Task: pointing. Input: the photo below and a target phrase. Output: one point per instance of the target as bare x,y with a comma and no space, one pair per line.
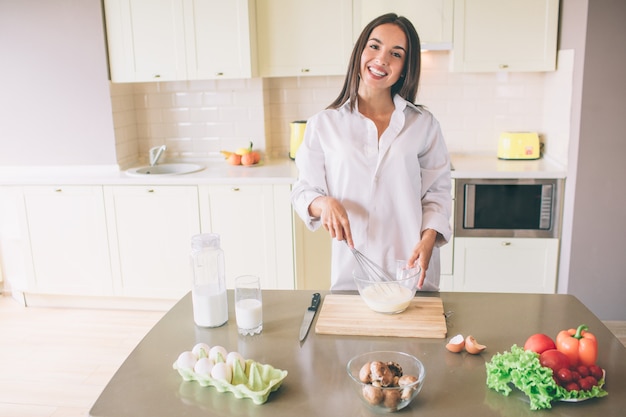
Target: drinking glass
248,305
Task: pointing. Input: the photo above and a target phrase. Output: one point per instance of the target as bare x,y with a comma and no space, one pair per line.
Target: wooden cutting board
349,315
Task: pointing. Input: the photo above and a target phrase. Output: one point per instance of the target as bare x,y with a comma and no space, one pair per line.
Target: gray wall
55,105
596,262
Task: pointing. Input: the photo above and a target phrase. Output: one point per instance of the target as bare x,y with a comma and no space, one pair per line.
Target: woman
373,167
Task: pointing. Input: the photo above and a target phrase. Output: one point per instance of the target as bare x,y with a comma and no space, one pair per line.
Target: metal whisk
371,270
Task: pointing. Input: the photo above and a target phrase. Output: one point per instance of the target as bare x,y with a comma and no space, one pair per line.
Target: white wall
593,249
196,119
55,106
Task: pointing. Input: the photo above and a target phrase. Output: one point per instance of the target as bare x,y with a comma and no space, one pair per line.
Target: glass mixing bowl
390,398
389,296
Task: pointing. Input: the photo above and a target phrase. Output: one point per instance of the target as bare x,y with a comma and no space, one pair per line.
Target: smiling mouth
377,72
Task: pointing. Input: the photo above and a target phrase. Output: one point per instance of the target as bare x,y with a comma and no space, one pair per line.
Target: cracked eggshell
472,346
456,343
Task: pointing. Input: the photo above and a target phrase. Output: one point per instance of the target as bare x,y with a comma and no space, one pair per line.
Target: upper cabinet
432,18
303,37
146,40
223,33
167,40
511,35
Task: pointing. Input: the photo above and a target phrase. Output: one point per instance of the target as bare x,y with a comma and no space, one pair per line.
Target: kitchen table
317,383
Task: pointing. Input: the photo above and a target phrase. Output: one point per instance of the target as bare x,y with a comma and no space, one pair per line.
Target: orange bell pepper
580,346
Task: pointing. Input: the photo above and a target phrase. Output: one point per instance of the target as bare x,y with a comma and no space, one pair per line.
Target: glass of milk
248,305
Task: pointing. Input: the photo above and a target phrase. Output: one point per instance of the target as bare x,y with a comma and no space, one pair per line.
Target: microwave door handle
470,199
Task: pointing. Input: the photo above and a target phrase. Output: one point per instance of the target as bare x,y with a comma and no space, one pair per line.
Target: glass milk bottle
210,305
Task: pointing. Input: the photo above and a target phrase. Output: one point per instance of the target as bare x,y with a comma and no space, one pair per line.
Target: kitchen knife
309,314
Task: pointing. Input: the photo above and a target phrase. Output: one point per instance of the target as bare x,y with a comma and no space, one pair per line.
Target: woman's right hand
333,216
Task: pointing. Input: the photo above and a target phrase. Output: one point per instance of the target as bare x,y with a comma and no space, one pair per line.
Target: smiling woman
374,157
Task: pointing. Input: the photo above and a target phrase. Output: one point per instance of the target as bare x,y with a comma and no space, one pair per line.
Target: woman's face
382,60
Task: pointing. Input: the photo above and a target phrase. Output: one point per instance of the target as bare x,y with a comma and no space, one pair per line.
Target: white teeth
379,73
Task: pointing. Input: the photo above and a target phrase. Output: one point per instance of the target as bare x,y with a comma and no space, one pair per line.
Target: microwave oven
507,207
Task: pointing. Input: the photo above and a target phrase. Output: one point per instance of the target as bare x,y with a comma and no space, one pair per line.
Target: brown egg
456,343
472,346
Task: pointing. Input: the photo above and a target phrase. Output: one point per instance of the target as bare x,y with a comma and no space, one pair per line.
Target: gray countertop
317,384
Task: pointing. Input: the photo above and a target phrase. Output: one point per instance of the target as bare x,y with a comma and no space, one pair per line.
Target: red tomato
554,360
596,371
565,375
539,343
583,371
587,383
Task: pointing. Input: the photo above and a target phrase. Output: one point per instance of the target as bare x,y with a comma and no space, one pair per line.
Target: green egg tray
256,382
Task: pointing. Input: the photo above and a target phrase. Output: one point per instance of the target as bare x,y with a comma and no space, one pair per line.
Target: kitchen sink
165,169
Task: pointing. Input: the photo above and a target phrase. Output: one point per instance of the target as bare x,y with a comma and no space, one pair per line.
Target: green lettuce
523,370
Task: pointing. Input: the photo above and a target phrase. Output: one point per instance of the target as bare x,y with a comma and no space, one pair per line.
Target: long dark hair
407,85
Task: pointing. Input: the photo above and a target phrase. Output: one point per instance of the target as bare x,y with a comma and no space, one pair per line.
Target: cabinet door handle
503,66
305,70
505,243
219,74
58,190
150,190
157,75
235,189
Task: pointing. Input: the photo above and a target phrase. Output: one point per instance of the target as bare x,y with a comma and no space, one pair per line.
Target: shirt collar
399,102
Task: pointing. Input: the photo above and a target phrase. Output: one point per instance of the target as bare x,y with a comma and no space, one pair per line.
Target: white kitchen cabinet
146,40
303,37
16,266
254,223
505,35
223,46
166,40
515,265
150,229
433,19
446,253
67,241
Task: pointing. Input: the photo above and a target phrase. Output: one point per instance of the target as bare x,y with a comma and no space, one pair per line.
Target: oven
508,207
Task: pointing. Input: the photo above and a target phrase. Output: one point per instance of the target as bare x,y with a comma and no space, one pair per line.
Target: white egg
201,350
203,366
235,356
217,351
221,370
186,360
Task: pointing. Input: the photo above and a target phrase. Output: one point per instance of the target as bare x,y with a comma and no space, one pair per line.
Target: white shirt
392,188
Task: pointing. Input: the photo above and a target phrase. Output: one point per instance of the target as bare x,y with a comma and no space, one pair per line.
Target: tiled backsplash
196,119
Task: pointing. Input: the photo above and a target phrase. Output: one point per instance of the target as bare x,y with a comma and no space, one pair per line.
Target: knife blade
309,314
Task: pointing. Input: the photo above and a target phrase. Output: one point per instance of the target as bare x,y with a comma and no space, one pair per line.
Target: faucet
156,153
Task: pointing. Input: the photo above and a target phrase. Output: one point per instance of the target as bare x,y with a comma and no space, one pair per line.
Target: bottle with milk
210,304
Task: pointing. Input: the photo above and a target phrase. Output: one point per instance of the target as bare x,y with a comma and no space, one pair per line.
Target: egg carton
257,381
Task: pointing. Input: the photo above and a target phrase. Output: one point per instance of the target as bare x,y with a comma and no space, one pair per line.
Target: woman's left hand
422,253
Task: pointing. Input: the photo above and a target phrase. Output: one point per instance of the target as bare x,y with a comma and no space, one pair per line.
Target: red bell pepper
580,346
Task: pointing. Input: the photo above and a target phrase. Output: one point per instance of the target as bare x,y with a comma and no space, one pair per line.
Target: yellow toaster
519,145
